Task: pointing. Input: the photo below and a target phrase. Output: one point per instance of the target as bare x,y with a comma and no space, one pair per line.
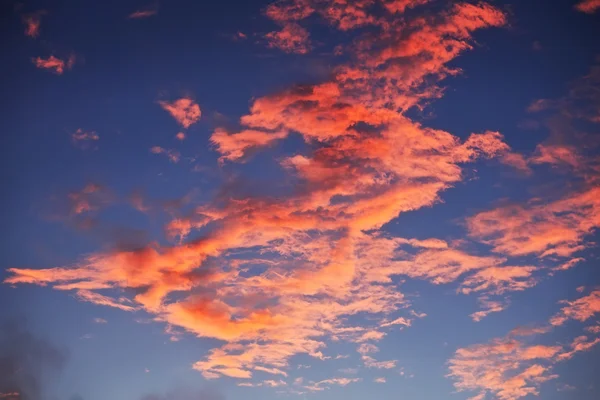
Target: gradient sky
314,199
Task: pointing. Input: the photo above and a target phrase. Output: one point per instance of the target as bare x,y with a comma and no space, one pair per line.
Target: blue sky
304,198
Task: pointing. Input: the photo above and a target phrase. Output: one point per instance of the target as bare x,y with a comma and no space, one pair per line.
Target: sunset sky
312,199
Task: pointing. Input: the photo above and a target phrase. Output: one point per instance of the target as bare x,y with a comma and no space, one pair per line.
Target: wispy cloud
84,139
173,155
588,6
511,368
145,12
321,252
32,23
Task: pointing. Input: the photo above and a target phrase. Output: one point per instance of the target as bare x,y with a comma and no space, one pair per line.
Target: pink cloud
54,63
173,155
581,309
84,139
556,228
292,38
324,255
185,111
588,6
32,23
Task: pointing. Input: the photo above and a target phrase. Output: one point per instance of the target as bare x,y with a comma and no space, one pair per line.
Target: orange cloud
588,6
58,65
510,369
506,368
320,252
556,155
556,228
292,38
185,111
98,299
581,309
234,146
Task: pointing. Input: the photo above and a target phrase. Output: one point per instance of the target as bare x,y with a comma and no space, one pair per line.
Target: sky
313,199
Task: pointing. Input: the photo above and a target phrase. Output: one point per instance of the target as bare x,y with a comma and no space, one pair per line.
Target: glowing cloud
53,63
588,6
185,111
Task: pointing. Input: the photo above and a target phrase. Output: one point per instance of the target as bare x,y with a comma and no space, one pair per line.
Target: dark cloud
186,394
27,362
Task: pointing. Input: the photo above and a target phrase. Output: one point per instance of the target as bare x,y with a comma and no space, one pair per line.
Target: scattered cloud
588,6
32,23
185,111
272,278
173,155
145,12
292,38
581,309
53,63
511,368
84,139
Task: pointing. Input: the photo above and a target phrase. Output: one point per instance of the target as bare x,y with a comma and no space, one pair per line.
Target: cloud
555,228
98,299
84,139
511,367
292,38
185,111
277,277
326,384
399,6
588,6
100,321
556,155
173,155
581,309
506,368
92,197
56,64
145,12
186,393
234,146
27,362
32,23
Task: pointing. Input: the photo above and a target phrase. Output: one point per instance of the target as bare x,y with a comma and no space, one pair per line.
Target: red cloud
54,63
292,38
588,6
185,111
510,369
325,259
32,23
